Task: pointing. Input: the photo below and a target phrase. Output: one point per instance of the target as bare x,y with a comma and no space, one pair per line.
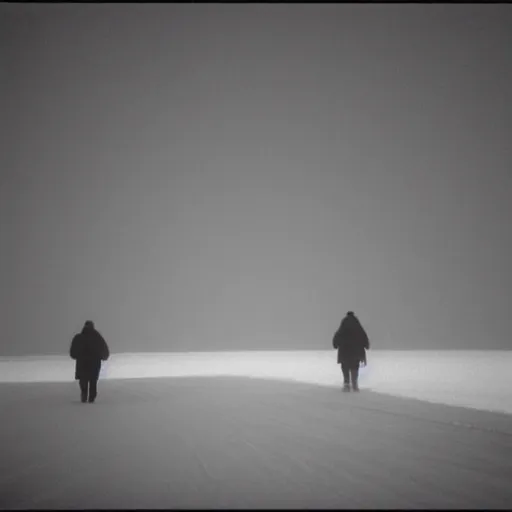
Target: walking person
351,341
88,348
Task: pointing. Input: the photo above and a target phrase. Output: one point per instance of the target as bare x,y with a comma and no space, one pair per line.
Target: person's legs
83,389
354,376
345,368
93,389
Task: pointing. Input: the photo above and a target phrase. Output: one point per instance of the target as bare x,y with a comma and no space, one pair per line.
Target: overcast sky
205,177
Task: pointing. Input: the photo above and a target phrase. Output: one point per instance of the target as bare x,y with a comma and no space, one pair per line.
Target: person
351,341
88,349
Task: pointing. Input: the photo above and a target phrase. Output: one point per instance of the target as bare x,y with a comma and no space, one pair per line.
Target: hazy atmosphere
237,177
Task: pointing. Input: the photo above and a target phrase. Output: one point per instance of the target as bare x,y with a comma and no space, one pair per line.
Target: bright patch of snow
475,379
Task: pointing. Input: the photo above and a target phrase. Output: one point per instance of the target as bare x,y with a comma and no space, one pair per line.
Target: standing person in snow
88,348
352,342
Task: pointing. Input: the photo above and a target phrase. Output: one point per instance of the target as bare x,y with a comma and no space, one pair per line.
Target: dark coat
88,348
351,341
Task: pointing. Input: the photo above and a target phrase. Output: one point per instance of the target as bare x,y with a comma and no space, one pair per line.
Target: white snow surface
473,379
258,430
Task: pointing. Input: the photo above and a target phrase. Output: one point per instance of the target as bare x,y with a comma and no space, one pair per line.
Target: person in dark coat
352,342
88,348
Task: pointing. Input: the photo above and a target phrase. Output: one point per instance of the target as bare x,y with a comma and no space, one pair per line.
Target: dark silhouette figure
352,342
88,348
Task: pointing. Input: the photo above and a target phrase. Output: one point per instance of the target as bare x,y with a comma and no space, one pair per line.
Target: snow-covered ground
258,430
475,379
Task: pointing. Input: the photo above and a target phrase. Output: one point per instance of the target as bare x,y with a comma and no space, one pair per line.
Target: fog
237,177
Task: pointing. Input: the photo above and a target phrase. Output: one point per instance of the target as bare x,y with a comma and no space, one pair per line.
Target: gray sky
203,177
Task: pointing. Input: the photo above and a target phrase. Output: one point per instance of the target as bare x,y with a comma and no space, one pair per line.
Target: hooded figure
352,342
88,348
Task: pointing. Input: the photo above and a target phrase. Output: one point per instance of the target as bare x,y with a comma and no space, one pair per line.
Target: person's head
89,324
350,318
